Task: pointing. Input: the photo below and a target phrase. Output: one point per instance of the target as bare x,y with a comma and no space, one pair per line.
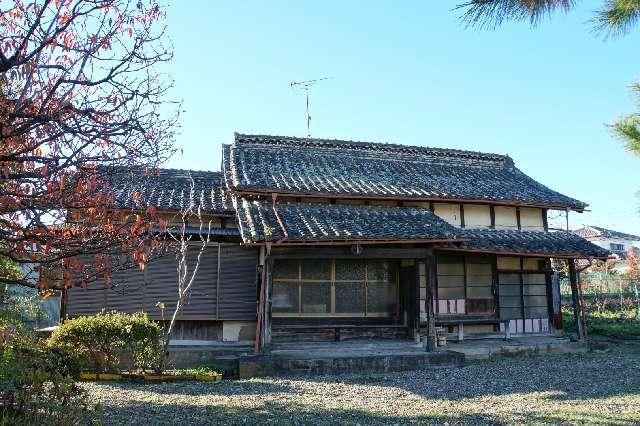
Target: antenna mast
306,86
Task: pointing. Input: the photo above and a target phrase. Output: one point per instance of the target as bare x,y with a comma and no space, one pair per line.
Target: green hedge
103,341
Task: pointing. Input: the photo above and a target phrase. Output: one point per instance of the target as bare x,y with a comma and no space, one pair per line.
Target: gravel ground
592,388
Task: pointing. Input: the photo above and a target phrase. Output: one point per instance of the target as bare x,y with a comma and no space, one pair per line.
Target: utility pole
306,86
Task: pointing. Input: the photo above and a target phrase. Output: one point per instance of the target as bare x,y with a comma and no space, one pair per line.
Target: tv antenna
306,86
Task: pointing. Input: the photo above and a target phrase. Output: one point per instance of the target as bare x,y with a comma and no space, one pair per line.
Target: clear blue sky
413,74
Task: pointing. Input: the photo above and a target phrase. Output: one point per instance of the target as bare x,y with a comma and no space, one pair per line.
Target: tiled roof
596,231
309,223
319,166
558,244
170,189
332,222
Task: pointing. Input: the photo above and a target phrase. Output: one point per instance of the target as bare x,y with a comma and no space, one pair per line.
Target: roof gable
365,169
597,231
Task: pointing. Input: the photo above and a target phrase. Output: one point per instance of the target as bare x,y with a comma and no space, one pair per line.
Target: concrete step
291,365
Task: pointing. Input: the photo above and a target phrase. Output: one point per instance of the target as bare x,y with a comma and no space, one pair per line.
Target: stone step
276,365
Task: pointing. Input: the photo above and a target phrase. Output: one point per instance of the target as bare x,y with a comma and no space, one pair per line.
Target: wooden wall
232,295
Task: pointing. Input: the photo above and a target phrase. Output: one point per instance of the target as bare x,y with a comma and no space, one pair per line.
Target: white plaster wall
506,217
606,243
531,219
234,331
477,216
448,212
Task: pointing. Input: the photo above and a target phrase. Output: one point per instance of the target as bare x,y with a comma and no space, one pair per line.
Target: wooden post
430,263
64,301
577,309
260,318
266,342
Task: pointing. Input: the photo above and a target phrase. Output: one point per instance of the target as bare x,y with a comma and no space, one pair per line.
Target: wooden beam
492,214
430,263
307,243
261,302
577,309
510,253
343,252
335,196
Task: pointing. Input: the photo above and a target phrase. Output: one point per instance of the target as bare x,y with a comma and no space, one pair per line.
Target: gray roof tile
532,242
303,165
170,189
331,222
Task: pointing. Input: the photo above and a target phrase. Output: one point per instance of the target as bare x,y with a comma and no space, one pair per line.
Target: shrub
37,383
105,340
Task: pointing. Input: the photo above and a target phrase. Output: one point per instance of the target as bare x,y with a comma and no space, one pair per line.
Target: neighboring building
325,239
617,242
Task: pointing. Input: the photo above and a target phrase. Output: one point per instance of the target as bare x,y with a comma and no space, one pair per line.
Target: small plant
37,383
105,340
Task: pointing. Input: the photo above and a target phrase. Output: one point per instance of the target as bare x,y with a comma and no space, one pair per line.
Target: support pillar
64,303
266,346
575,297
430,262
259,342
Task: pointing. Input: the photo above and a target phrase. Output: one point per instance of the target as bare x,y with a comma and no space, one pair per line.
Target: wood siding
235,298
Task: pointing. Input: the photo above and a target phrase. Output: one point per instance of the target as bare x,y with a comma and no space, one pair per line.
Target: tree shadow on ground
188,388
269,413
566,377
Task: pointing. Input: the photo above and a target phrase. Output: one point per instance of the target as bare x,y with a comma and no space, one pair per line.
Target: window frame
300,281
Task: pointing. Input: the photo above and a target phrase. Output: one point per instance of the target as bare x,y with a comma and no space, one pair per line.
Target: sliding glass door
335,287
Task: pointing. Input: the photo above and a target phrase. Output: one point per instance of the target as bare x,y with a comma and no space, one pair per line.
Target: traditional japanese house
342,239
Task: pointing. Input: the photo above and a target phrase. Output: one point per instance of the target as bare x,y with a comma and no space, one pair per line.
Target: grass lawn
592,388
611,324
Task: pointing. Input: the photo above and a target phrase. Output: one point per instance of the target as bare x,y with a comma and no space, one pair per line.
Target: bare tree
182,237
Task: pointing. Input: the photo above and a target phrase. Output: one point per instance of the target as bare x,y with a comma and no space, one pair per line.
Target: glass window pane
316,298
479,292
478,269
479,280
316,269
534,279
508,263
535,301
535,290
285,269
450,281
478,306
538,312
509,279
349,270
381,271
450,268
510,313
284,297
450,293
350,298
381,298
509,290
510,301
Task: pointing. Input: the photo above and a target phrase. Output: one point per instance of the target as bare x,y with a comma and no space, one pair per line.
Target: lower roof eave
290,243
257,192
524,254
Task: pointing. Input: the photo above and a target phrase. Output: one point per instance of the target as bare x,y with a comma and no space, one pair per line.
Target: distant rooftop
599,232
